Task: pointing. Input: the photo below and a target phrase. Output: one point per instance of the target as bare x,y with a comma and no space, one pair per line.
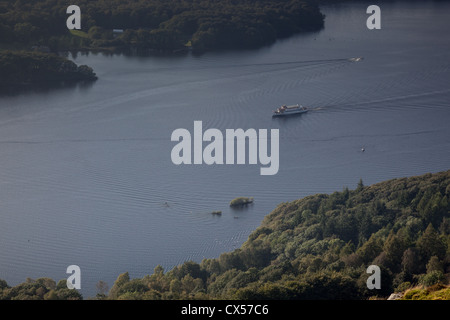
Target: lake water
86,172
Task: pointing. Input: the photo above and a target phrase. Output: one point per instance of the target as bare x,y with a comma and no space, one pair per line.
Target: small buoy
362,149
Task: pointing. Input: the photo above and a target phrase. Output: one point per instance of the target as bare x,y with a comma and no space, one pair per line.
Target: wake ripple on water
256,89
389,103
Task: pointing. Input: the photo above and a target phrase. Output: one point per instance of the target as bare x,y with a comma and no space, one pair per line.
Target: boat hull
286,114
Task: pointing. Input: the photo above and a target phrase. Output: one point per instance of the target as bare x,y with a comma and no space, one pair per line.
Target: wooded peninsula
318,247
148,26
24,68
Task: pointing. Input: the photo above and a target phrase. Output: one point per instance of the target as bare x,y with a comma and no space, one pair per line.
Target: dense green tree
431,244
434,264
39,289
370,249
410,261
121,280
394,247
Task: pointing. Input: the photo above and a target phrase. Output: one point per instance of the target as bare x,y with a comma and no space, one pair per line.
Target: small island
241,201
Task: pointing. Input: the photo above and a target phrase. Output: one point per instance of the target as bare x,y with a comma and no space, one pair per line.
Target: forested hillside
157,24
318,247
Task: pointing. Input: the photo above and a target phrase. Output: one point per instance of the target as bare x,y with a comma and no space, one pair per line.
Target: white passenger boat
289,110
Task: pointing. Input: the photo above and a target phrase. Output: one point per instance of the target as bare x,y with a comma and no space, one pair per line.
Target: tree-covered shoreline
19,69
159,25
318,247
141,26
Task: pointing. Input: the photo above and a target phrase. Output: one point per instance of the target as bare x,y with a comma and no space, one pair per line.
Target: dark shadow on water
242,208
290,117
17,90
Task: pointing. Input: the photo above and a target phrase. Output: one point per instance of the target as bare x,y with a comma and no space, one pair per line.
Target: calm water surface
86,172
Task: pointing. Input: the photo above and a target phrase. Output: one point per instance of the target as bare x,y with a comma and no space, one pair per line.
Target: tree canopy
319,247
158,24
23,68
